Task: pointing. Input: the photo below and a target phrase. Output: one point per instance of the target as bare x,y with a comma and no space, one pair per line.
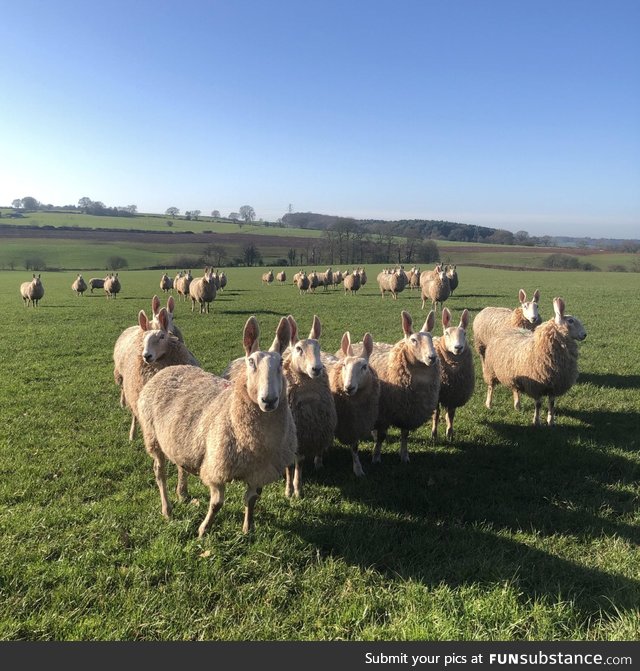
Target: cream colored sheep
351,282
281,276
434,286
537,363
79,286
221,430
302,282
32,291
202,290
394,281
326,278
112,286
452,275
267,277
314,281
457,374
182,284
356,395
166,283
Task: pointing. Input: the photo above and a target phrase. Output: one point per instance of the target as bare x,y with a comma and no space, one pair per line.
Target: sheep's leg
297,478
489,395
379,436
288,486
536,412
551,415
182,490
250,499
123,400
434,423
450,414
215,503
516,399
422,306
357,466
132,430
160,471
404,452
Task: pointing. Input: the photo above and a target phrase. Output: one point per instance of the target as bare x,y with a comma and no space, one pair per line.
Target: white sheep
32,291
409,374
267,278
457,374
351,282
281,276
302,282
356,394
222,430
112,286
223,280
537,363
434,286
452,275
394,281
79,286
202,290
166,283
311,402
182,282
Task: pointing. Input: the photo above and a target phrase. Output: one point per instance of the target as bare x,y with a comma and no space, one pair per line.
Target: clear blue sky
519,114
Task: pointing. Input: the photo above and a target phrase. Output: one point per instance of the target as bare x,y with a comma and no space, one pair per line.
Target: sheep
414,278
96,283
166,283
351,282
491,320
457,374
112,286
409,374
267,277
311,402
302,282
452,274
32,291
326,278
223,280
356,395
435,287
182,284
139,355
281,277
337,278
203,290
216,279
393,281
222,430
363,276
314,281
537,363
79,286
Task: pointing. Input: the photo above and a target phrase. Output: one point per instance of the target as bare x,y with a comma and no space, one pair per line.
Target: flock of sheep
284,403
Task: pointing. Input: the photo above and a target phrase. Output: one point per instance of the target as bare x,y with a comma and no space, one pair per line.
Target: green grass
508,533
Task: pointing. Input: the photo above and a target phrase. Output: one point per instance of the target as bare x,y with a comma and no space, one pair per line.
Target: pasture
508,533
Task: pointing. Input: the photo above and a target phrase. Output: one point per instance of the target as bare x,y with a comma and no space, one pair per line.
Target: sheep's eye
364,366
570,321
298,349
252,363
162,336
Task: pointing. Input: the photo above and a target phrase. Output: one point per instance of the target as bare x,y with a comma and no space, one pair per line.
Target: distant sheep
434,286
537,363
302,282
182,282
457,373
32,291
79,286
221,430
202,290
394,281
112,286
96,283
281,277
314,281
166,283
267,278
326,278
452,276
223,280
351,282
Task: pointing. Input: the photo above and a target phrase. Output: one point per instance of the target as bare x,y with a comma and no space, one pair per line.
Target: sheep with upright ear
32,291
222,430
435,287
203,291
112,286
537,363
79,286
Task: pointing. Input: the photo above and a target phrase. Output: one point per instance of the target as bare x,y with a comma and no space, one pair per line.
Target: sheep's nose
317,370
458,349
432,359
148,357
351,389
269,402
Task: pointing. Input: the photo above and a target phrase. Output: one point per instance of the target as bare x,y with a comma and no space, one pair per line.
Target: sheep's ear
536,296
163,318
143,321
171,305
250,336
155,305
464,319
316,329
522,296
429,323
367,343
407,323
446,318
283,336
345,344
558,308
294,329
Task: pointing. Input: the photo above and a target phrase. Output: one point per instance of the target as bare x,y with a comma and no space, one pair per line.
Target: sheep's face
265,381
530,311
455,339
420,348
355,373
575,327
154,345
305,357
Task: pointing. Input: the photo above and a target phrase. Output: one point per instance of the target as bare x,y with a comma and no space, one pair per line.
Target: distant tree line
85,205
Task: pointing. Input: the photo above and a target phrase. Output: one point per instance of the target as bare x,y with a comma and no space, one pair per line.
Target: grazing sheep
112,286
409,374
138,356
267,277
356,395
311,402
166,283
434,286
203,291
32,291
222,430
457,374
492,320
351,282
182,284
79,286
96,283
281,277
537,363
394,281
302,282
452,275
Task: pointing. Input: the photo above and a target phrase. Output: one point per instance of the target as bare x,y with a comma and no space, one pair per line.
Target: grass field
509,533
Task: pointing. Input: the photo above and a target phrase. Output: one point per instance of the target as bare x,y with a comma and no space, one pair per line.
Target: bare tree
172,212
